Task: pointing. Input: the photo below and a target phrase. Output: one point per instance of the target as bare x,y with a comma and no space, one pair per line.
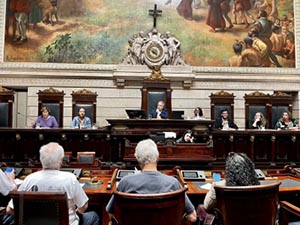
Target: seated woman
287,122
187,137
198,114
45,120
259,121
239,170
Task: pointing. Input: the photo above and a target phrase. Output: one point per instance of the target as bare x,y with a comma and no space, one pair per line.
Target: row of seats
271,106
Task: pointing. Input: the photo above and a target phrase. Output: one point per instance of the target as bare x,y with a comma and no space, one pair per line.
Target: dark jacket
231,124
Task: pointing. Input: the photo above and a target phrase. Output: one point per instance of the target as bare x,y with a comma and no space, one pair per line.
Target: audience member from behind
50,179
160,112
150,181
186,138
45,120
7,182
198,114
259,121
81,121
224,122
287,122
239,171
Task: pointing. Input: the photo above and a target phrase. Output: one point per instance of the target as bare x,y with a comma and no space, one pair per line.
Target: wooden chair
6,107
84,99
256,102
248,205
219,101
151,209
36,208
154,91
280,102
54,100
289,214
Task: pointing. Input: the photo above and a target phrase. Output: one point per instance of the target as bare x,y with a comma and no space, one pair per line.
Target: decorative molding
257,94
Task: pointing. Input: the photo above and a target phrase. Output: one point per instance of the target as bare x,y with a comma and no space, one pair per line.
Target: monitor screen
177,115
193,174
136,114
123,173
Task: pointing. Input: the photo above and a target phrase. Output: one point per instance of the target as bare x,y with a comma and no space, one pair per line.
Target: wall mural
240,33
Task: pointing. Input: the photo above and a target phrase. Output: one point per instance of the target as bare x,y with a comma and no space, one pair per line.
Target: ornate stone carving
222,93
154,50
257,94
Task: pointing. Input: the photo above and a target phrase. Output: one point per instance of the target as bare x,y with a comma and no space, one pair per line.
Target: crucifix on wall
155,13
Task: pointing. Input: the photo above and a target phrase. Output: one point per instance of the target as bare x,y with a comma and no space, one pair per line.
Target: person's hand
11,175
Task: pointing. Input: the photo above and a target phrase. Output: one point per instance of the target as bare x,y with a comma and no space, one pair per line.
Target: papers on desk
206,186
170,134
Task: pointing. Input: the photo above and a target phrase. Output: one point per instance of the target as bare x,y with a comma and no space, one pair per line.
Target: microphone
26,117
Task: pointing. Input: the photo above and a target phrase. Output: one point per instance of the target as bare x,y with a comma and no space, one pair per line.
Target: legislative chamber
94,58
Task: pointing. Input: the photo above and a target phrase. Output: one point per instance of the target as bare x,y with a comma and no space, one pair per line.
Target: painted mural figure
261,47
225,7
237,60
241,7
36,13
21,9
215,17
10,21
185,10
251,56
264,28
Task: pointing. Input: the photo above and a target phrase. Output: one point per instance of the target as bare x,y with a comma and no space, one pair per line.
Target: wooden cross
155,13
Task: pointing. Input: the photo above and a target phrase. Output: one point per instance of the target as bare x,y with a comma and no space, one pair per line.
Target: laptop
136,114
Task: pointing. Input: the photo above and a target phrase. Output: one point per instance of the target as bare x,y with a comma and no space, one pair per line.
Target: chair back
150,209
248,205
36,208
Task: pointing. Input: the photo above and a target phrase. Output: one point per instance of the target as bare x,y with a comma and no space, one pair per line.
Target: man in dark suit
160,112
224,122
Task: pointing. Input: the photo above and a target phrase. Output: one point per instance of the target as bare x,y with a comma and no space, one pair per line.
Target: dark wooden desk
267,148
152,126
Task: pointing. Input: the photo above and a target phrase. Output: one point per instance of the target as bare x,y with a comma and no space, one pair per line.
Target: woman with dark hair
198,114
45,120
287,122
187,137
240,171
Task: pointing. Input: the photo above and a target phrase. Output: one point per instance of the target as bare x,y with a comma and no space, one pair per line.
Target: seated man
224,122
81,121
50,179
160,112
150,181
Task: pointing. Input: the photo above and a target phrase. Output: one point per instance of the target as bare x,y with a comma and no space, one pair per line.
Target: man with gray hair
50,179
150,181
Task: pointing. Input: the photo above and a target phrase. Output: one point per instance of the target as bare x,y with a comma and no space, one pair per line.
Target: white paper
170,134
206,186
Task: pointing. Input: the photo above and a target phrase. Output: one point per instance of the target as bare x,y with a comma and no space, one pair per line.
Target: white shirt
5,184
57,181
